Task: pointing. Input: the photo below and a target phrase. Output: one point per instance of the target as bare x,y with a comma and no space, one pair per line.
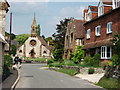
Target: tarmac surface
33,77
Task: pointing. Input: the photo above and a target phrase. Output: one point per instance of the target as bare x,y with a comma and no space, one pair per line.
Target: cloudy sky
48,14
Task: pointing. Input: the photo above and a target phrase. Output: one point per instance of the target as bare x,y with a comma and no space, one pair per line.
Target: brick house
74,36
100,29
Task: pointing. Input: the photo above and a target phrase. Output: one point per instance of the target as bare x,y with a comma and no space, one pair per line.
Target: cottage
74,36
99,29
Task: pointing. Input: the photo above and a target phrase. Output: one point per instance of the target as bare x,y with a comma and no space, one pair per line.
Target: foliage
57,53
78,54
70,72
37,59
8,61
109,83
13,36
22,38
91,70
38,30
59,37
55,64
116,60
50,40
13,51
69,63
92,61
50,61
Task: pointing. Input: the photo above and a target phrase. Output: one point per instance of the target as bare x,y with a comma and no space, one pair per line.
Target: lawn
70,72
109,83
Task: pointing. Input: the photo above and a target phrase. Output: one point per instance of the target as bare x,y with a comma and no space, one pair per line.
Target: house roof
44,43
93,8
108,2
105,42
80,31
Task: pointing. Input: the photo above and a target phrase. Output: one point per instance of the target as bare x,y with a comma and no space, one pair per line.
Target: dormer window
115,4
100,10
88,16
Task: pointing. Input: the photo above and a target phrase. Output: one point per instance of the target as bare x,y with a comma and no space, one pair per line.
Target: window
109,27
97,30
106,52
88,33
88,16
100,10
115,4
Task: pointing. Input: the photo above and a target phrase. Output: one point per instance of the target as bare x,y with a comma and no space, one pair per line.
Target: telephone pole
10,33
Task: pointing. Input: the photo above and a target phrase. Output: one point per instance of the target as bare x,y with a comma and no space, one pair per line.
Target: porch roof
96,44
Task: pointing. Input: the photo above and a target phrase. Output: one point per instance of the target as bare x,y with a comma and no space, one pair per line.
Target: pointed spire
34,24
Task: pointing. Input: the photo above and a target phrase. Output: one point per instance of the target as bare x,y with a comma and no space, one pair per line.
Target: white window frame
109,30
96,30
104,52
100,10
88,33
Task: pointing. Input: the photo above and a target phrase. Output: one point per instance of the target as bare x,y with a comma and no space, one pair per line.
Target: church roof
44,43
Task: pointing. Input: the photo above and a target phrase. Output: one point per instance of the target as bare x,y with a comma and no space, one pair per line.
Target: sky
48,14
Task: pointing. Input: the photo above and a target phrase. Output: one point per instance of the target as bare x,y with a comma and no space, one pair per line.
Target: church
35,46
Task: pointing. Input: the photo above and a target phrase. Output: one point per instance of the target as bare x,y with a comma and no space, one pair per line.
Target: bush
68,63
115,60
92,61
78,54
50,61
55,64
91,70
7,64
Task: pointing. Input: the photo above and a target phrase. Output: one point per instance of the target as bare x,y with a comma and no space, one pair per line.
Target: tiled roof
80,31
108,2
93,8
44,43
105,42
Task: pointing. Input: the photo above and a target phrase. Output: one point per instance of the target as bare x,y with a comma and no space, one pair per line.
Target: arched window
20,51
45,52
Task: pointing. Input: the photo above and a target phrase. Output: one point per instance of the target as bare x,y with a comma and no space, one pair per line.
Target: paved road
34,77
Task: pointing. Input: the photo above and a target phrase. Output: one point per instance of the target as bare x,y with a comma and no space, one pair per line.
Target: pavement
9,81
94,78
34,77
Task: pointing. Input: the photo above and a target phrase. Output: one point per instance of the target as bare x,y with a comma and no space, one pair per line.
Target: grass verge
109,83
70,72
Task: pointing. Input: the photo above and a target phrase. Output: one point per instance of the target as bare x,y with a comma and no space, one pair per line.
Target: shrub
91,70
92,61
116,60
78,54
68,63
55,64
8,61
50,61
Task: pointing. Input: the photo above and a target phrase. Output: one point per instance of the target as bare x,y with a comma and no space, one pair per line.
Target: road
34,77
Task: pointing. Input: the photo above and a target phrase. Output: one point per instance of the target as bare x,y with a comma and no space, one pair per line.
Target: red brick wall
113,17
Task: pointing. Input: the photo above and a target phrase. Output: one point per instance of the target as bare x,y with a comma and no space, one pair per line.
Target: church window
33,42
45,52
20,51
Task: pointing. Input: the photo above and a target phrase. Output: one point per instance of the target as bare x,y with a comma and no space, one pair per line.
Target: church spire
34,27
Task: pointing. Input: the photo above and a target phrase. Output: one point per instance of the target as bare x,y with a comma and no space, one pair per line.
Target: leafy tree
22,38
57,54
13,36
38,30
116,49
50,40
59,37
13,51
78,54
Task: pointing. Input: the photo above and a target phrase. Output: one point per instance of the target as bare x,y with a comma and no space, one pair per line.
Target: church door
32,53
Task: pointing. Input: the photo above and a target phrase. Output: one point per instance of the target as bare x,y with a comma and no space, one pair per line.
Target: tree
78,54
59,36
50,40
38,30
13,36
116,49
13,51
22,38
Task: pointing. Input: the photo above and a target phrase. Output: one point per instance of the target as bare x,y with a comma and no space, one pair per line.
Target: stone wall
112,72
84,70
